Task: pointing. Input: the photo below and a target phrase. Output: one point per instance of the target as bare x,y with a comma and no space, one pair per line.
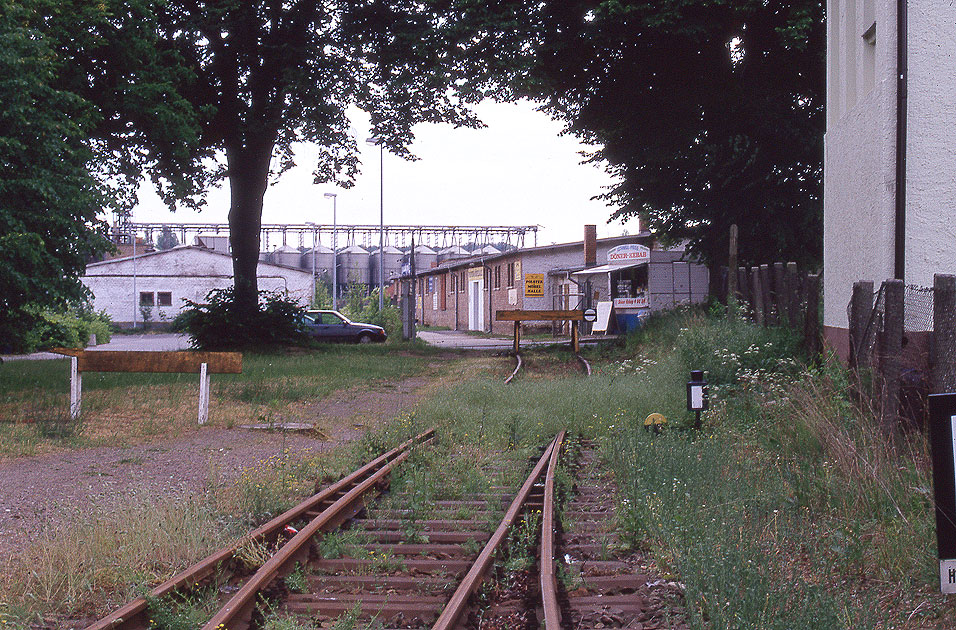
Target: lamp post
335,252
314,243
375,140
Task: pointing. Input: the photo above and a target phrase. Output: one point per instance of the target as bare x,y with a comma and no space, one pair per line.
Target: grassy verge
789,510
120,409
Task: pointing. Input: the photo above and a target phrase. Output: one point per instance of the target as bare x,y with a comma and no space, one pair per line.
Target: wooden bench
181,362
518,316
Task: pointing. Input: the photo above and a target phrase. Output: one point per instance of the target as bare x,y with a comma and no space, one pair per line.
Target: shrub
68,329
364,308
218,325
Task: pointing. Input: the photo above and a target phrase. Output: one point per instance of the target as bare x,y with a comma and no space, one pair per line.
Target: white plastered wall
186,273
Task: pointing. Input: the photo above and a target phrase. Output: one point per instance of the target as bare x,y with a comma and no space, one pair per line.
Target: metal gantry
436,236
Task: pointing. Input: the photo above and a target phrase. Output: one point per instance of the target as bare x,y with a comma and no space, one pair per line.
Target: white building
152,286
888,213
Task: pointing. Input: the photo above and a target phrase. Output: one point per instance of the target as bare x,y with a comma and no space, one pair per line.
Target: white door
476,320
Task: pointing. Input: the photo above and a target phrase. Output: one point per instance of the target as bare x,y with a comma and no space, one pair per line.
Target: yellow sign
534,285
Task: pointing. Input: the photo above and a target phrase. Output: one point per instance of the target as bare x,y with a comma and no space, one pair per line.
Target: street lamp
375,140
335,252
314,242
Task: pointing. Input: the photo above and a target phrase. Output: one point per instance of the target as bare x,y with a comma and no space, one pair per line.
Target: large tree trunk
248,178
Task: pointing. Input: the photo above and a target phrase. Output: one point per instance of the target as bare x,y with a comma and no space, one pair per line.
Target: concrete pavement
144,341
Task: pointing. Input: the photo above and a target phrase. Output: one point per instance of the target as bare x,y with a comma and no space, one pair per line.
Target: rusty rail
235,614
459,601
584,362
549,583
517,367
133,614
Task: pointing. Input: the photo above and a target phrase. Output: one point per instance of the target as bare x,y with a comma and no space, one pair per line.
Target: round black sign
590,315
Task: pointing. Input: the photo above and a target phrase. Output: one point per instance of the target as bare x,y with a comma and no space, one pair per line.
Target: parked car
334,326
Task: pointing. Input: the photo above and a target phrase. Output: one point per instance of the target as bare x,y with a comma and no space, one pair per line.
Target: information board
603,317
942,417
534,285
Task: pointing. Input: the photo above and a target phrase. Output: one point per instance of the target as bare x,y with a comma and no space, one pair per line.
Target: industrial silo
353,266
425,258
286,255
392,264
455,252
323,260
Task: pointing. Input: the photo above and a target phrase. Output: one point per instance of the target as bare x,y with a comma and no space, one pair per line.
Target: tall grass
119,409
789,510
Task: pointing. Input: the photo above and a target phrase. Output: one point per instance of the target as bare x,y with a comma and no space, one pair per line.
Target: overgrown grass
789,510
119,409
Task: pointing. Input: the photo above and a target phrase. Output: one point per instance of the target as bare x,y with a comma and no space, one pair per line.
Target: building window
164,298
454,282
461,282
511,275
146,299
497,276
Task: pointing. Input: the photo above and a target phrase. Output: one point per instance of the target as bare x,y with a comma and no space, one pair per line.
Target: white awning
605,269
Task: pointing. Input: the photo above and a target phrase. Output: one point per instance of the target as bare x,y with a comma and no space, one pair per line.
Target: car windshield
328,318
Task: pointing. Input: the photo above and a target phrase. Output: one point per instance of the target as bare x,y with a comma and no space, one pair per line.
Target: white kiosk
627,270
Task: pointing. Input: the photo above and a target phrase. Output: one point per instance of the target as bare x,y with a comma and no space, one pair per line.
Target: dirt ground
40,492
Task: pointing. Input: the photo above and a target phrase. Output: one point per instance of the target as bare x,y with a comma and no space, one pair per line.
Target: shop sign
628,255
534,285
631,302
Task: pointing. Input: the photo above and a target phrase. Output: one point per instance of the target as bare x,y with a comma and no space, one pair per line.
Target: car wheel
365,338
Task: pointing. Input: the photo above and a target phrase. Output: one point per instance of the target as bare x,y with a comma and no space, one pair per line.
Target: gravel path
40,492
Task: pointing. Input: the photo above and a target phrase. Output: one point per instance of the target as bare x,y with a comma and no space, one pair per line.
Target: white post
203,394
76,388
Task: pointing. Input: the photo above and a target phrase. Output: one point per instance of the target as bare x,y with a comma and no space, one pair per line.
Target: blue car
334,326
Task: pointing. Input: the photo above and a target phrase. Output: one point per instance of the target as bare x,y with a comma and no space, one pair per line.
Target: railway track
484,560
519,362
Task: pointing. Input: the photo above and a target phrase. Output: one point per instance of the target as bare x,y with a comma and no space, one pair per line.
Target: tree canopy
48,198
710,113
253,77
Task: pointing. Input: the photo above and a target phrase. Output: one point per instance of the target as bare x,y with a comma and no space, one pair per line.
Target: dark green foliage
363,308
709,113
166,239
48,199
70,329
217,325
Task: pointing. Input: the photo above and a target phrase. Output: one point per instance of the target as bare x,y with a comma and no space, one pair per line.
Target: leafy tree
260,76
166,239
48,198
709,113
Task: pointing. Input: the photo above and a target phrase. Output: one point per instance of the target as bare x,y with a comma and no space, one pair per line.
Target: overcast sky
518,170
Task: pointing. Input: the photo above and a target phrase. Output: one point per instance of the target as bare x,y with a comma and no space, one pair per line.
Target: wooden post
732,271
861,308
203,394
743,288
811,322
768,318
757,292
76,388
517,335
891,349
575,342
780,297
793,295
943,346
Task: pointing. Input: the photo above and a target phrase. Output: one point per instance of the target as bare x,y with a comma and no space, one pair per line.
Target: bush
364,308
65,329
218,325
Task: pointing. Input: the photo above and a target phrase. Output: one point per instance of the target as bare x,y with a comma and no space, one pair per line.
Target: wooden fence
777,295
